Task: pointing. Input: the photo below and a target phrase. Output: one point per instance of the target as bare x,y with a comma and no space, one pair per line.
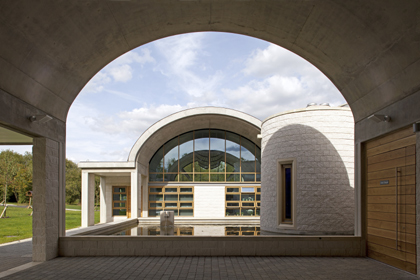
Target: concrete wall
209,201
320,140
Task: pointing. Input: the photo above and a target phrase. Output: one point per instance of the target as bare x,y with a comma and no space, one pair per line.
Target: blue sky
185,71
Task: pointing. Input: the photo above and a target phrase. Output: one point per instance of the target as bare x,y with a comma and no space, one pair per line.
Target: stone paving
212,268
15,253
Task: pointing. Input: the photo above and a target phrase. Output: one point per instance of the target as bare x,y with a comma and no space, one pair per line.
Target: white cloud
97,83
119,70
183,66
122,73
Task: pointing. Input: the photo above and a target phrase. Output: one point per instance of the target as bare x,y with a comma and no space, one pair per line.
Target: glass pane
248,177
247,155
201,150
217,177
248,204
174,210
258,204
119,204
120,197
201,177
118,189
232,197
156,177
172,204
258,157
186,149
171,155
247,189
232,152
185,204
155,190
258,189
171,177
185,189
247,212
257,212
288,193
154,212
232,232
156,163
232,212
248,197
258,197
233,204
186,177
233,177
171,190
186,212
119,212
217,151
248,233
258,177
171,197
232,190
155,197
155,205
186,197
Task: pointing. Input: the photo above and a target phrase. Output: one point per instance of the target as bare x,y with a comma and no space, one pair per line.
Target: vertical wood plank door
390,183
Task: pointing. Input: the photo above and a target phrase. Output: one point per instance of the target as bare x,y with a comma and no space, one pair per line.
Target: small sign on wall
384,182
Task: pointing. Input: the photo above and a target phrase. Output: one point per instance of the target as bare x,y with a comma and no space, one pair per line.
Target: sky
185,71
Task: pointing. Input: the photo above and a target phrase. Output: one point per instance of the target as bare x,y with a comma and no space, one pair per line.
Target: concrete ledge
107,228
319,246
207,221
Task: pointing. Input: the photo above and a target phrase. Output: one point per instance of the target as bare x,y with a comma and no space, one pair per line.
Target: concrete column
47,221
145,195
104,203
135,194
88,199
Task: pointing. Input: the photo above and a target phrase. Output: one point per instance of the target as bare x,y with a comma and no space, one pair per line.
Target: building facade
217,164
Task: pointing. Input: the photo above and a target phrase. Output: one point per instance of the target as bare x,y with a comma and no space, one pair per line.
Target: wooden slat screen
384,156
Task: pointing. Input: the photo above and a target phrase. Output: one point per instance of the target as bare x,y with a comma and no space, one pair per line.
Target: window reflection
207,155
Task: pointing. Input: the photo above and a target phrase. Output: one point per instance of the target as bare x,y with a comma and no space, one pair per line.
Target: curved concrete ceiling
369,49
192,119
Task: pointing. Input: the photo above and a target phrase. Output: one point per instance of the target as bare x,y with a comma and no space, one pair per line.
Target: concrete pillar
104,203
145,195
88,199
48,222
135,194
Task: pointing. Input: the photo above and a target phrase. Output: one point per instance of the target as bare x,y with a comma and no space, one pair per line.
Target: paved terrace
15,263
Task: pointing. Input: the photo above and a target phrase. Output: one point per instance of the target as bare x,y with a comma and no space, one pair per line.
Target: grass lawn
71,206
19,224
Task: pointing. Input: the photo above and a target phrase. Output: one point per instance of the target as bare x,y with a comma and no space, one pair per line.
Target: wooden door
391,199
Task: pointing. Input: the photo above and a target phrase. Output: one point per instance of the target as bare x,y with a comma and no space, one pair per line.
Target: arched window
206,155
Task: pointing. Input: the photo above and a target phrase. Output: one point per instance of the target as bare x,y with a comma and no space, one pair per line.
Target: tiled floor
19,253
211,268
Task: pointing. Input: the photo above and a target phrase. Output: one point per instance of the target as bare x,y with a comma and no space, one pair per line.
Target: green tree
73,182
9,167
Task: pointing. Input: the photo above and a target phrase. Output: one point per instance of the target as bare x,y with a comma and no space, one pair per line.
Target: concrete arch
191,119
370,53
